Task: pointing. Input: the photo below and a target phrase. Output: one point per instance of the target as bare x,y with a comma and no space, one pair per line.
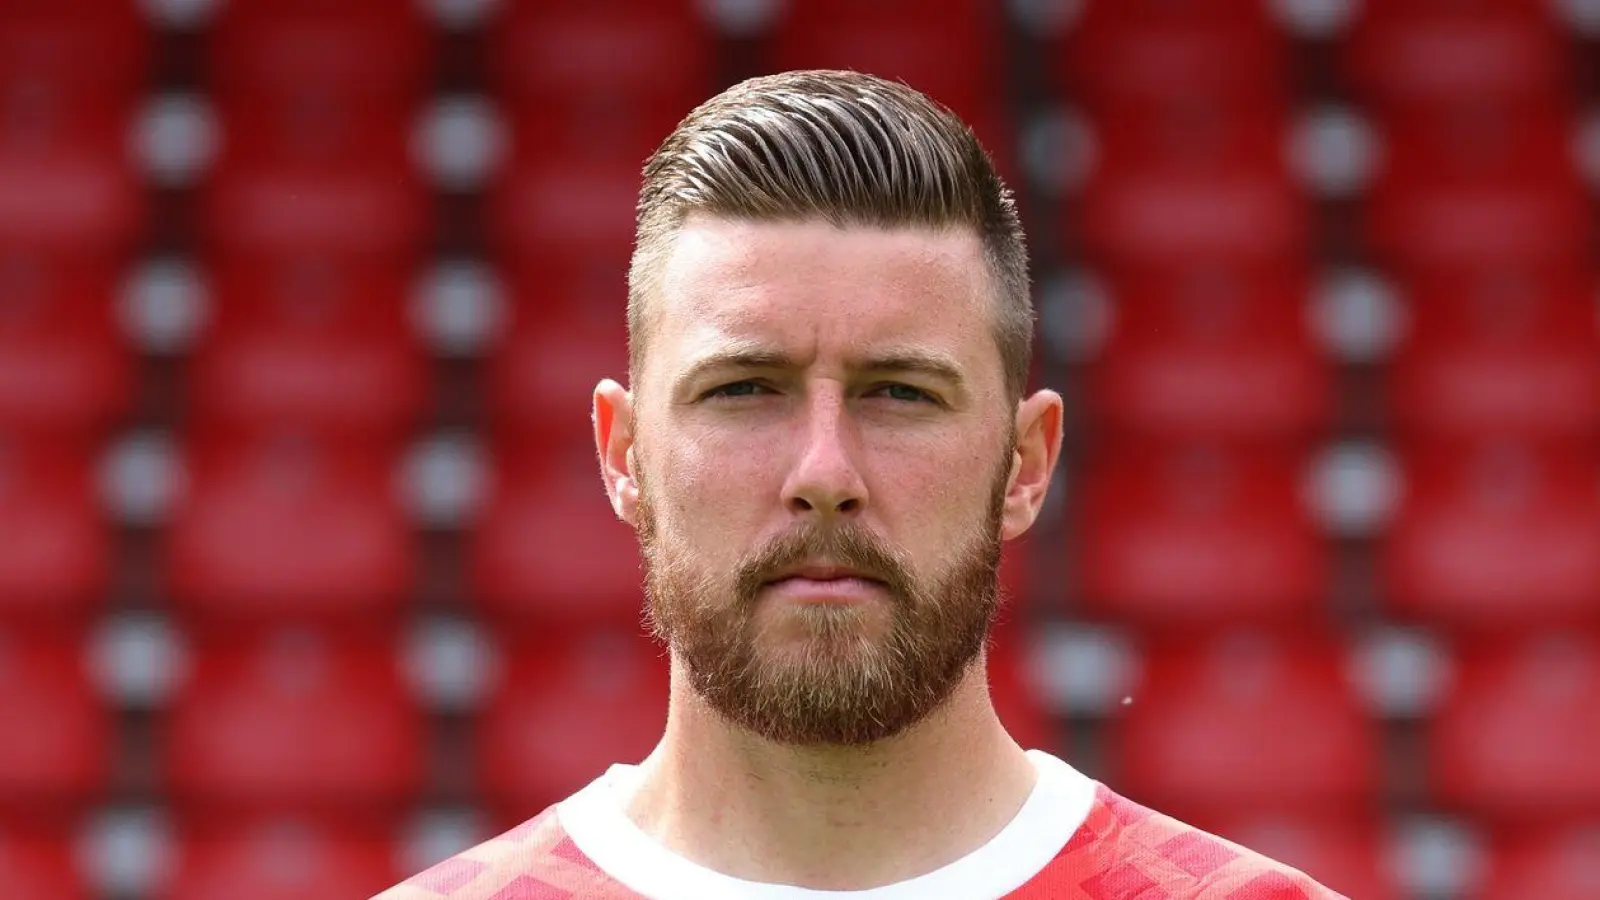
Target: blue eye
736,389
905,393
900,393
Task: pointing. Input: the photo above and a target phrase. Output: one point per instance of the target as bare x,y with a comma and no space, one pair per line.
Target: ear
613,440
1039,432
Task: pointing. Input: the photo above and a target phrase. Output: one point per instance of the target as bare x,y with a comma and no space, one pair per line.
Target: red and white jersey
1073,839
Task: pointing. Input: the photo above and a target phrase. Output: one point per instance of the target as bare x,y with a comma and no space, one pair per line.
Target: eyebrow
920,362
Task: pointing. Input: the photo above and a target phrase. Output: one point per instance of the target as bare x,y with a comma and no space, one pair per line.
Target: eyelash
719,392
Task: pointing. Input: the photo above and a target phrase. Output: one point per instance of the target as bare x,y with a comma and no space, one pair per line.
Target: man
826,440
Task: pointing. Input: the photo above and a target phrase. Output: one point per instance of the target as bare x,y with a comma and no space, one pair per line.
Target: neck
832,818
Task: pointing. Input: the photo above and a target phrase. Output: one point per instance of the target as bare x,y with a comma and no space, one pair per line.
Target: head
827,438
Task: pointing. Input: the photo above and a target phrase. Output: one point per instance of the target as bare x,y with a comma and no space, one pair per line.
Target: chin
826,626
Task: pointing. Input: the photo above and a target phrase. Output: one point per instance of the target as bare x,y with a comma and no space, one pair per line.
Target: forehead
815,288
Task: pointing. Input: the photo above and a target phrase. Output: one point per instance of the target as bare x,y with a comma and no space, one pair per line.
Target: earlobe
613,436
1039,435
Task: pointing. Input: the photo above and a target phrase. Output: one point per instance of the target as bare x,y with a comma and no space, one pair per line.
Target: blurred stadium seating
280,859
308,580
41,867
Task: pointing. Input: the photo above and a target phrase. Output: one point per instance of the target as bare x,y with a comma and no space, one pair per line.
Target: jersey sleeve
1125,850
1283,884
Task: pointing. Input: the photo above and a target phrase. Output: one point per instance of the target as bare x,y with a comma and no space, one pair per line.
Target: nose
826,479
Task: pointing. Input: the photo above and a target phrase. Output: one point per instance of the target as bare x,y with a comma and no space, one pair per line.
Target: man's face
822,446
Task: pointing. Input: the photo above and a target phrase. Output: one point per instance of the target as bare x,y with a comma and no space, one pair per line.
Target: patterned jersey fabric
1121,851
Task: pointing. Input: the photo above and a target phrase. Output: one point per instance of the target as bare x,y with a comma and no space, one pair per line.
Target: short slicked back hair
841,147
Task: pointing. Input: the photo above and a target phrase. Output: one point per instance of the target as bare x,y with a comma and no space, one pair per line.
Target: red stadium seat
1518,733
37,117
316,181
1494,536
565,225
55,563
313,131
363,53
1485,139
1143,55
1490,186
309,344
67,190
1211,355
1529,219
568,705
1551,864
288,722
548,549
1506,355
67,180
1177,537
1245,723
289,528
1228,203
953,51
65,368
60,737
579,79
40,866
542,374
1405,55
45,42
1194,133
1349,855
281,859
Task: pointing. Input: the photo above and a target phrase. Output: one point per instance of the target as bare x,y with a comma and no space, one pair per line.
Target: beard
847,683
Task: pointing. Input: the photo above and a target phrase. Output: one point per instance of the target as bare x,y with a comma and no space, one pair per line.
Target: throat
837,819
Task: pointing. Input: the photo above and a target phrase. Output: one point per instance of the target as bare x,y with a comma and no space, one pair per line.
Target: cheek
934,495
709,492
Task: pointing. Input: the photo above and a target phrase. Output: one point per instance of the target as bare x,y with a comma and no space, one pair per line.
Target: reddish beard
847,687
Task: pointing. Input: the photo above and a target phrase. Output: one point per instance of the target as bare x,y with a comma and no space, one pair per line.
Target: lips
821,583
823,573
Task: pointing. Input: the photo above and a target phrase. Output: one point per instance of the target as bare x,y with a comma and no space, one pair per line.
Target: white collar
595,820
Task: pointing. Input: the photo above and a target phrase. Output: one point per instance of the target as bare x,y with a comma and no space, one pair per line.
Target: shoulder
1186,862
530,859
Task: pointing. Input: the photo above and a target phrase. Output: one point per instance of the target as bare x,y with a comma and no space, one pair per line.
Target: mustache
851,545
